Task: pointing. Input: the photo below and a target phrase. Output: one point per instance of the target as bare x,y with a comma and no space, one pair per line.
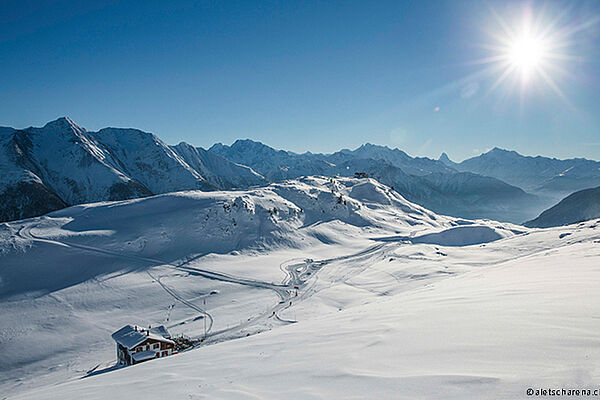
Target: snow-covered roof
144,355
161,330
130,336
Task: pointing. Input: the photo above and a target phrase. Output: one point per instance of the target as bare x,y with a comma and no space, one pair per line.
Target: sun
530,49
527,53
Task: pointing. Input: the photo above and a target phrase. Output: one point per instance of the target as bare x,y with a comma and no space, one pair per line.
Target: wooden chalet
136,344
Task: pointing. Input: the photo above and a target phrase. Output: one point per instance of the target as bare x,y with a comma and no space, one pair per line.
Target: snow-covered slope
229,259
579,206
169,227
22,192
500,328
356,293
149,161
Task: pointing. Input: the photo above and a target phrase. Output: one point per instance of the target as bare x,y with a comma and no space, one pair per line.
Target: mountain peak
371,146
445,159
248,142
498,150
252,146
130,133
64,123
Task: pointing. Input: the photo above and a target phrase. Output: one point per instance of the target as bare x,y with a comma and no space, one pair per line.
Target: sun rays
532,50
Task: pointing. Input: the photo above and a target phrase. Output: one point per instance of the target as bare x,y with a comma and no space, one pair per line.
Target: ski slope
347,290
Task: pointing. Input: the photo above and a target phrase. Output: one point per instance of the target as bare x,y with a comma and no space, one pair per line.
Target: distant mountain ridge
411,165
538,174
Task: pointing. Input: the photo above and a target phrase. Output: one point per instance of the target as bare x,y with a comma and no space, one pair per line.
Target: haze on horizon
451,77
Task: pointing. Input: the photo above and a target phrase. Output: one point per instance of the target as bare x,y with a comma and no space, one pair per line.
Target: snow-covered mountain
432,184
47,168
396,157
219,171
447,161
537,174
577,207
274,165
60,164
280,164
149,161
167,226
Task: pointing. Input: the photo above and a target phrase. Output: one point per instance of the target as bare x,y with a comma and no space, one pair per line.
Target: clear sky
311,75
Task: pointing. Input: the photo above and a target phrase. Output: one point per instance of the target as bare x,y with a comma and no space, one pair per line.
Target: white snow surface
312,288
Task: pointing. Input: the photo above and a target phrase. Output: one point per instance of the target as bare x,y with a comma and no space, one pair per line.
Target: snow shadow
457,236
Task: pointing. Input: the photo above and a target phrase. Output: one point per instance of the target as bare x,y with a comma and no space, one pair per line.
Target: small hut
136,344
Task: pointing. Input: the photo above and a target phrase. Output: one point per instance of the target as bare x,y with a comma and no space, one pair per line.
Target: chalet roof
161,330
130,336
143,355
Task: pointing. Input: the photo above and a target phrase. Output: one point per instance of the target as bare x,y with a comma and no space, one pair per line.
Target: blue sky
316,75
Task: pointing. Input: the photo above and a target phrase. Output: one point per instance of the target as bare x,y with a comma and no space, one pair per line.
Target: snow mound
369,192
465,235
461,236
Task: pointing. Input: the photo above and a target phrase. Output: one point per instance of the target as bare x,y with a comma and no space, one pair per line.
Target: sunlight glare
526,53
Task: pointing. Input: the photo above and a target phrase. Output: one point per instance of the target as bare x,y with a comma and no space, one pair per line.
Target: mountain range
539,175
424,181
63,164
